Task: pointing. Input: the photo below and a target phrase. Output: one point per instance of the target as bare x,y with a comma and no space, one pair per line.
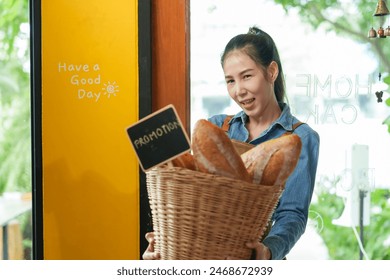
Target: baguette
185,160
241,147
214,152
273,161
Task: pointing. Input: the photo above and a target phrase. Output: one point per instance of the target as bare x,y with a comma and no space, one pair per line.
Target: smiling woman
255,81
251,86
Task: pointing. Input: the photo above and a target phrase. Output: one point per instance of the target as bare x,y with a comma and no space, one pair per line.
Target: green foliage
387,102
342,242
12,14
352,19
15,125
378,232
387,120
15,132
15,155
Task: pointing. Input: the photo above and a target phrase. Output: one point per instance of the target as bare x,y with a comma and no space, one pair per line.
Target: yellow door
89,95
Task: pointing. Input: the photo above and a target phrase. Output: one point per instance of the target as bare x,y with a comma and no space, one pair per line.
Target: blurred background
332,70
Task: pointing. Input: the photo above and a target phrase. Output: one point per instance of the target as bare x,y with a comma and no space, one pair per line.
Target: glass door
331,79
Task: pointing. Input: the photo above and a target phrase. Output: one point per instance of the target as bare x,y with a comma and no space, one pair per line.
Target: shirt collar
285,119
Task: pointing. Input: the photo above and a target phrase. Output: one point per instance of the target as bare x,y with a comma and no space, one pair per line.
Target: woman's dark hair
260,47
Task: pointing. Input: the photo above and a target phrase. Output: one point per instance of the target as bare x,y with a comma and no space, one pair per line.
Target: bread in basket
205,206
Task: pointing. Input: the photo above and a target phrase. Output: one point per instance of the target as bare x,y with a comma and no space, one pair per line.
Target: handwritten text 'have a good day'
87,78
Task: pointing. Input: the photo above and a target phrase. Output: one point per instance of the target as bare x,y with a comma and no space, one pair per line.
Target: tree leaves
15,128
12,14
341,241
348,18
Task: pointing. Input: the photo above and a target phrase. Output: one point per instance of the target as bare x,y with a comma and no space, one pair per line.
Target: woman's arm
290,217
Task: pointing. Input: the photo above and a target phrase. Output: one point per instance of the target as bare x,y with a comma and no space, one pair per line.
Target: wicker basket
203,216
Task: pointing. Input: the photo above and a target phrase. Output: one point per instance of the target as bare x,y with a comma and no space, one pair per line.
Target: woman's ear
273,71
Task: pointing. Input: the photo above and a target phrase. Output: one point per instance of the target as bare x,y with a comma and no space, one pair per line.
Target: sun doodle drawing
110,89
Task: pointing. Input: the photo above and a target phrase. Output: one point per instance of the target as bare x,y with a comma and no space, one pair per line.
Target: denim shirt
291,214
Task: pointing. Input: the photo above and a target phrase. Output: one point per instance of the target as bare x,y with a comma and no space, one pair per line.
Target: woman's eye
247,77
229,81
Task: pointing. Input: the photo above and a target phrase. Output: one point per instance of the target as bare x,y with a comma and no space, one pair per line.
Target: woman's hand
261,251
149,253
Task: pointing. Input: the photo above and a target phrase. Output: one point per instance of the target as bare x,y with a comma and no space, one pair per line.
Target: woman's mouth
247,101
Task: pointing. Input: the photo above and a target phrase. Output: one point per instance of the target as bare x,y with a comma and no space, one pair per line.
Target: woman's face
248,85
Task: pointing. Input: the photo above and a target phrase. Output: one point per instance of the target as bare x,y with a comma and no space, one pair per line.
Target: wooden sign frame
158,138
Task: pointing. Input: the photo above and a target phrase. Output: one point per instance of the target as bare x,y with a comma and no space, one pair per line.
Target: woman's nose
240,89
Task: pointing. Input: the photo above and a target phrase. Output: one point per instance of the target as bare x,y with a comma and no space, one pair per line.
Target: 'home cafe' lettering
333,99
155,134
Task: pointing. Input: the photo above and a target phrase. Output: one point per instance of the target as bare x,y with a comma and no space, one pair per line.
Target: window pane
331,83
15,132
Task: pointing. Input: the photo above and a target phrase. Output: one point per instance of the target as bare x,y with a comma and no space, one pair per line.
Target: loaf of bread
214,152
241,147
273,161
185,160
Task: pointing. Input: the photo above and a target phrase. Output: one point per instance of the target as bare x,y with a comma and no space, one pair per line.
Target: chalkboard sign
158,138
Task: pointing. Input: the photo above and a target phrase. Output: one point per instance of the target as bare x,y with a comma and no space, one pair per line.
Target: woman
255,81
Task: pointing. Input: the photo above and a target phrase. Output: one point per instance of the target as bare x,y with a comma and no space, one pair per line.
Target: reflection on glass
325,86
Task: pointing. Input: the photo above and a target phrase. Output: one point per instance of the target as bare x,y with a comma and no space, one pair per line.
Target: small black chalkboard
158,138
